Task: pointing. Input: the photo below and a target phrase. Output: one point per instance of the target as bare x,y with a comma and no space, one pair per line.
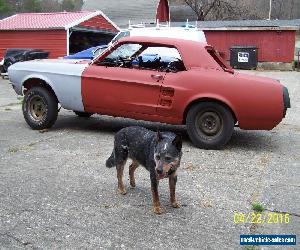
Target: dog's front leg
172,186
155,198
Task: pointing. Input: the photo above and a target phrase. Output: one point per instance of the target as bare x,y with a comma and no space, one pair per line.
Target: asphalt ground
56,193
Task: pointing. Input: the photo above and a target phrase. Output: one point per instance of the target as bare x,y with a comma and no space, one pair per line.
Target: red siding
100,23
273,46
163,11
53,41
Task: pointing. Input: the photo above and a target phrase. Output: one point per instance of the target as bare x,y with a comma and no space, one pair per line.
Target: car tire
40,108
83,114
209,125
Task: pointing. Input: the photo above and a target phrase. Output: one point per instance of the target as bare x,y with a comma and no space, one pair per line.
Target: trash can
243,57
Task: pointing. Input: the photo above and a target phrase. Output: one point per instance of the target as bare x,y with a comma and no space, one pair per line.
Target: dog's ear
177,142
158,136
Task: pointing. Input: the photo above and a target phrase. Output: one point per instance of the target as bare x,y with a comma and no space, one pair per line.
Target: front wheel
209,125
40,108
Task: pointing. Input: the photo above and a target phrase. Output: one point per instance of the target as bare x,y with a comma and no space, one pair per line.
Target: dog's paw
175,204
157,210
132,184
122,191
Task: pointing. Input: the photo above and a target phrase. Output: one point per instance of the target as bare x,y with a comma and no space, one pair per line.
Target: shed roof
122,11
44,21
293,24
242,23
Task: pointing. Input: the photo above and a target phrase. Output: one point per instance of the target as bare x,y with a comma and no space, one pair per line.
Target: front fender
41,77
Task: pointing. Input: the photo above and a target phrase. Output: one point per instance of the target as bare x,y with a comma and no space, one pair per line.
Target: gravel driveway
56,193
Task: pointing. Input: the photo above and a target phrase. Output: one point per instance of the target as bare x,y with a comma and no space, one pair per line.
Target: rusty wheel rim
37,108
209,124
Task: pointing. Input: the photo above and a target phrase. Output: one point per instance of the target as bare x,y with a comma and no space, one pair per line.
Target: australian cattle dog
159,152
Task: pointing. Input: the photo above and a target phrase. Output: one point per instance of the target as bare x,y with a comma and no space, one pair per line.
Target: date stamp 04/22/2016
261,218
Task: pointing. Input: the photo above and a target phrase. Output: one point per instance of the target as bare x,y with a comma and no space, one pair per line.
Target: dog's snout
159,171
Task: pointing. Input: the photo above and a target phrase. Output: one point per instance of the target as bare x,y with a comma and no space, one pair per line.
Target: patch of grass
7,109
257,207
13,150
207,204
107,206
250,248
21,99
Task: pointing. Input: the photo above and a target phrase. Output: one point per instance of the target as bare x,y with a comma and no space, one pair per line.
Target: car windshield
98,51
119,36
124,51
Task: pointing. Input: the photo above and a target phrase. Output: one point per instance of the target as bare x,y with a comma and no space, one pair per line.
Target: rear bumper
286,100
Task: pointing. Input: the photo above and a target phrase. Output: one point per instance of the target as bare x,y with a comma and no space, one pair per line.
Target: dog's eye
157,157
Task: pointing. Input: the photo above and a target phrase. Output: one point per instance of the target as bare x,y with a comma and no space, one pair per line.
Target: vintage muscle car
195,88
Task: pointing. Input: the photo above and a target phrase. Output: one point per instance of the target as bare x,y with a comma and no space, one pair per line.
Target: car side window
138,56
165,59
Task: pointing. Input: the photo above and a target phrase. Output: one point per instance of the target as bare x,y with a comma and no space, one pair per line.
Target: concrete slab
56,193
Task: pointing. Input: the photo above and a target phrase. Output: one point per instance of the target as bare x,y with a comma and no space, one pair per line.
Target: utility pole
270,10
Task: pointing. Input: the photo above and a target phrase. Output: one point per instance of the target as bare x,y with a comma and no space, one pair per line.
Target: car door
112,90
121,91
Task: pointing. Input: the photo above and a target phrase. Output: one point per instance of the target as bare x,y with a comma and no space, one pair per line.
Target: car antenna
129,25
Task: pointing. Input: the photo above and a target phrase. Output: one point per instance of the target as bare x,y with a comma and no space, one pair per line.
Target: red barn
59,33
275,44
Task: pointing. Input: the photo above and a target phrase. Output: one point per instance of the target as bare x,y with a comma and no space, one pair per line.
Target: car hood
62,60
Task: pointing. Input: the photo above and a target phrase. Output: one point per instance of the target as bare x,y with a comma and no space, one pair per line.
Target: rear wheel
40,108
83,114
209,125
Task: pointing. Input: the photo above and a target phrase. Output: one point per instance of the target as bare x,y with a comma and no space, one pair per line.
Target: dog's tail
110,162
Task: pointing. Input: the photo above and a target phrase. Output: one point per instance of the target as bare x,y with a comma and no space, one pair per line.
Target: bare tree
214,9
278,9
51,6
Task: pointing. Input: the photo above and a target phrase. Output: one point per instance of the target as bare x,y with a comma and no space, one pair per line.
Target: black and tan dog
159,152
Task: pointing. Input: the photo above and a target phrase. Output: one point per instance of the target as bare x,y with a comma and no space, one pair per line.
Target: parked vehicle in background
166,80
14,55
1,65
89,53
297,51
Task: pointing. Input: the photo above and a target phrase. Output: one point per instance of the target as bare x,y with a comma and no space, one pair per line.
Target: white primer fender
63,78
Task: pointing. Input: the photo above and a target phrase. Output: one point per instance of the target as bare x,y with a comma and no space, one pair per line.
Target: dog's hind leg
120,176
132,168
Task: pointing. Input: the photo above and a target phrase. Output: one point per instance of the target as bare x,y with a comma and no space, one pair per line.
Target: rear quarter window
218,59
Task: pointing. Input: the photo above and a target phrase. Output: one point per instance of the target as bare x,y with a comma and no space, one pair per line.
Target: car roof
193,54
171,32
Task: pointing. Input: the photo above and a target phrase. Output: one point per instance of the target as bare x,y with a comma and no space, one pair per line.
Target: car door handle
157,77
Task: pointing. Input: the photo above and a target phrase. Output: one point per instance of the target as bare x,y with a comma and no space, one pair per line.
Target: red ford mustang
155,79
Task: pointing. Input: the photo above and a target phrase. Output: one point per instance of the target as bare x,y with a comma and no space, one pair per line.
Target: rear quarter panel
256,102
